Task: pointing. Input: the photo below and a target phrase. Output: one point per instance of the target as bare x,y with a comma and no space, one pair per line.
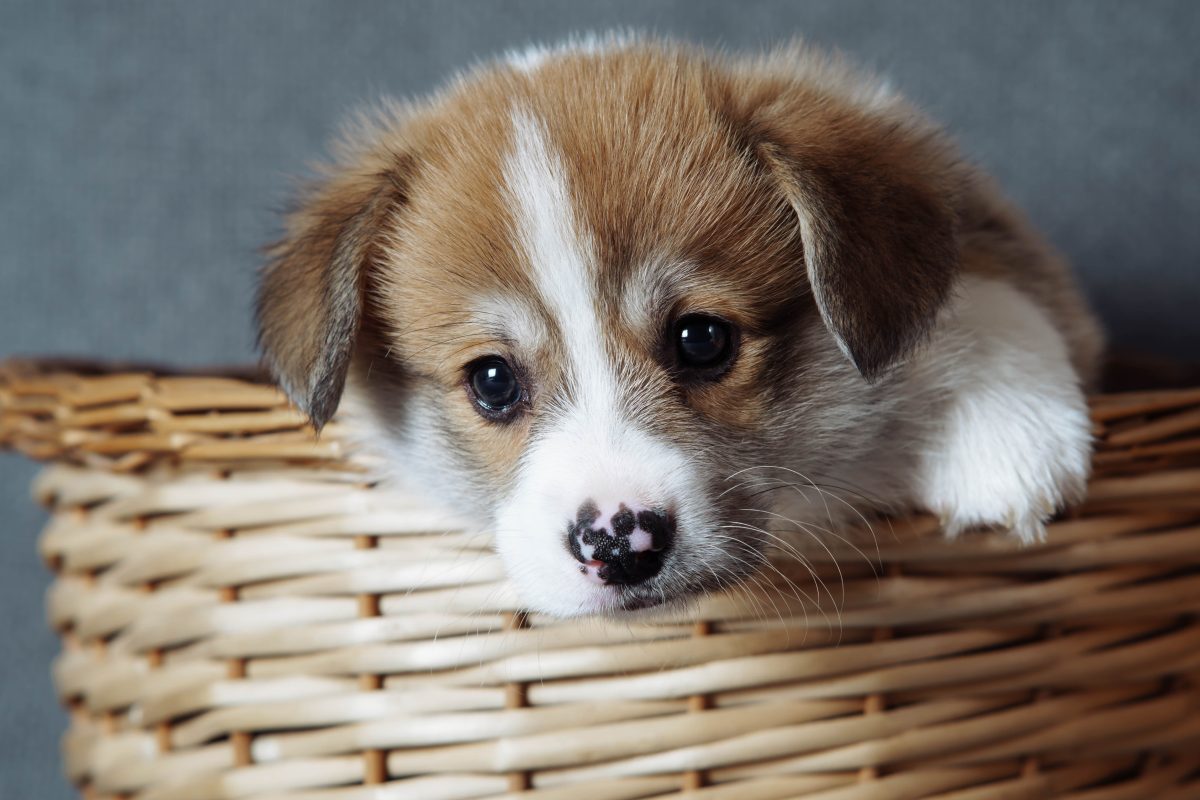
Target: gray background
144,147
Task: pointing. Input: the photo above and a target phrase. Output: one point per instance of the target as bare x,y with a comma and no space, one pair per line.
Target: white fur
1012,440
534,56
562,261
651,287
529,59
509,318
589,449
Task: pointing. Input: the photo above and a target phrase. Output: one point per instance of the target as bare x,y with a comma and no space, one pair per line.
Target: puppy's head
584,293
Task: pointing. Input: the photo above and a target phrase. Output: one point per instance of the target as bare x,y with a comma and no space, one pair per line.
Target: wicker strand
374,759
516,696
695,779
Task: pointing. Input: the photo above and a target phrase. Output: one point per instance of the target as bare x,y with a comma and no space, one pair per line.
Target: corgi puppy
645,311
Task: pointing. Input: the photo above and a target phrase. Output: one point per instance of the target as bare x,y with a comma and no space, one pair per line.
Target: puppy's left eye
494,387
704,342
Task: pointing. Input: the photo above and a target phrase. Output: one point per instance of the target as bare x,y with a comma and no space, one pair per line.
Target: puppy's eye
704,342
494,387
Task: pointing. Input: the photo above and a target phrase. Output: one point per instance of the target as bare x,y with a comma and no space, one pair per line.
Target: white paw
1007,458
1012,445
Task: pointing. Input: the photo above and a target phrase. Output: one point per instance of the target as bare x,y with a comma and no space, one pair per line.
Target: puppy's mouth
684,590
641,601
627,600
610,601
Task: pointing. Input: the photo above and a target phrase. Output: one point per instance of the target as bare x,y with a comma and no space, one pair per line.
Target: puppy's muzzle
622,546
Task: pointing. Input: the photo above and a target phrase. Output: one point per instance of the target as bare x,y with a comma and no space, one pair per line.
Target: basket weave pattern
244,614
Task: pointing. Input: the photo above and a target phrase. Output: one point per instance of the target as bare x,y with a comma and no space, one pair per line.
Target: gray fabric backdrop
143,147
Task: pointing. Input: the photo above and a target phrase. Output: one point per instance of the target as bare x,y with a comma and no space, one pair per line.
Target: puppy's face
582,300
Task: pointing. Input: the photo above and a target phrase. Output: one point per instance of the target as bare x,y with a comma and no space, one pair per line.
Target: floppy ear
874,202
310,294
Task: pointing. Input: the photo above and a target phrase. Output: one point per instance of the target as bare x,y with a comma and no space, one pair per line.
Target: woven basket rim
246,617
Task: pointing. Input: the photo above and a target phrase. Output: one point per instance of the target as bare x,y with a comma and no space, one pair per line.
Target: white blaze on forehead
562,259
589,450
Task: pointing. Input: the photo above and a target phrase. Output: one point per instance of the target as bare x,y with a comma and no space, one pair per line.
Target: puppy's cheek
738,404
405,425
733,538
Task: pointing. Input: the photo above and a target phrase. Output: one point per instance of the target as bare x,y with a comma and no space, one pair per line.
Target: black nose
623,548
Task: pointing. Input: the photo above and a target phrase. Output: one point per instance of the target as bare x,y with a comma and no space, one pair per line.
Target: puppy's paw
1007,457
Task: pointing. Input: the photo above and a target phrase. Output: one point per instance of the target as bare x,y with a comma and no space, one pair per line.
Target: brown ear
310,295
875,208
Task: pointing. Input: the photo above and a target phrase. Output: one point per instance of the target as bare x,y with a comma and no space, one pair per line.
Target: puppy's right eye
705,344
494,387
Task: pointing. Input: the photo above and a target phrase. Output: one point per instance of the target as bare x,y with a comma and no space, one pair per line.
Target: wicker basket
244,616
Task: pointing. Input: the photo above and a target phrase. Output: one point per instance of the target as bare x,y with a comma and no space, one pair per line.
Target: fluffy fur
904,339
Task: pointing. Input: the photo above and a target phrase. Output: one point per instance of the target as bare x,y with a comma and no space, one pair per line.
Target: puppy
644,310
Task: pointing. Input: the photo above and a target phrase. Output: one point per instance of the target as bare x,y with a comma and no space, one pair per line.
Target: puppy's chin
617,601
675,594
570,599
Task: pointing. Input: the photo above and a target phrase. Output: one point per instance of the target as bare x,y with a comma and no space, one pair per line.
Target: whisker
795,554
823,493
797,592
